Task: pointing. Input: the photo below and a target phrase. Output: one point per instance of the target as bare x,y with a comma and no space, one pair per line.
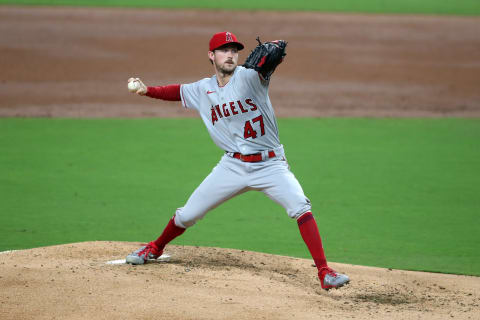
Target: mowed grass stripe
398,193
459,7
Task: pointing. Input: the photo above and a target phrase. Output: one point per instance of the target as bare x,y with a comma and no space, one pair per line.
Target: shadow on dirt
393,299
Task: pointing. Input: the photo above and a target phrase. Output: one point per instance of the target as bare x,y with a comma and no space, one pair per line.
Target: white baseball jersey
239,115
240,118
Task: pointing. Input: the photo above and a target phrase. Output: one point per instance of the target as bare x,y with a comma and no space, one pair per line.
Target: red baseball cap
223,38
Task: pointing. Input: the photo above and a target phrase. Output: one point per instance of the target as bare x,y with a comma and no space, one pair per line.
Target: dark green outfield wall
448,7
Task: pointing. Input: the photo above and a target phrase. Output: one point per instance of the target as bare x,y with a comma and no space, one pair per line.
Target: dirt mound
74,281
74,62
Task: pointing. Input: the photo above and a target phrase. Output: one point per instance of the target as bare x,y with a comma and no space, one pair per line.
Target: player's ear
211,56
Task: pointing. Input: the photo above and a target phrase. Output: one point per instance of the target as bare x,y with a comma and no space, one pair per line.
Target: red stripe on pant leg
170,232
311,237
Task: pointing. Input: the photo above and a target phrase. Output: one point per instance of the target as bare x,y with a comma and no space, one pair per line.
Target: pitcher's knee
183,220
295,213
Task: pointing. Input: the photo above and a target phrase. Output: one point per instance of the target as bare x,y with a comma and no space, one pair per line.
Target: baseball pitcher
236,109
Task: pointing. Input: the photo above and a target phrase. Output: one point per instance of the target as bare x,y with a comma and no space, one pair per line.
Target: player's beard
226,68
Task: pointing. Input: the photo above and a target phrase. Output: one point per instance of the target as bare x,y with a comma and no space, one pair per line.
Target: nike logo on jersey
208,92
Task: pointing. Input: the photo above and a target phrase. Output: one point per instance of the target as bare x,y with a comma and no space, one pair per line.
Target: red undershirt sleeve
170,92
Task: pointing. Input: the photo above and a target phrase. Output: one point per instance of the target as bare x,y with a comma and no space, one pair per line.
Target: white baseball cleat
145,253
331,279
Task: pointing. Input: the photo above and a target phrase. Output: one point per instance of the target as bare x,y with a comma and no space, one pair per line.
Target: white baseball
133,86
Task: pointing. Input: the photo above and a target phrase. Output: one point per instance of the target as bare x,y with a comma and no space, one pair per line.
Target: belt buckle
253,157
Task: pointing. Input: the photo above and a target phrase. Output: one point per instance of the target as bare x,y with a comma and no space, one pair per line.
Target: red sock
311,236
170,232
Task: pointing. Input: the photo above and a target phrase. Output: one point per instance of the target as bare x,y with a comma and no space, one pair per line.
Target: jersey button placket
220,93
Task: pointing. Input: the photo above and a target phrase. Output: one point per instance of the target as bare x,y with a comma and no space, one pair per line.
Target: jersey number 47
248,131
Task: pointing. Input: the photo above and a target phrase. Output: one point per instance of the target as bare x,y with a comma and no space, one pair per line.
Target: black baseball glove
266,57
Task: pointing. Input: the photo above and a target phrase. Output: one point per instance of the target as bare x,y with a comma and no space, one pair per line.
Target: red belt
256,157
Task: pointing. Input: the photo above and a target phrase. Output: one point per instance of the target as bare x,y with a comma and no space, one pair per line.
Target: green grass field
399,193
457,7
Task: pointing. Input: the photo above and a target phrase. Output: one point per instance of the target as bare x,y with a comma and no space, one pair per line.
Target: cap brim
238,44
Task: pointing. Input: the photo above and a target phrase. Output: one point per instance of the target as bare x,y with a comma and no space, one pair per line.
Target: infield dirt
75,62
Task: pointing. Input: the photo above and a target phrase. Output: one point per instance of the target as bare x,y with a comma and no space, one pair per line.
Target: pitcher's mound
75,281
